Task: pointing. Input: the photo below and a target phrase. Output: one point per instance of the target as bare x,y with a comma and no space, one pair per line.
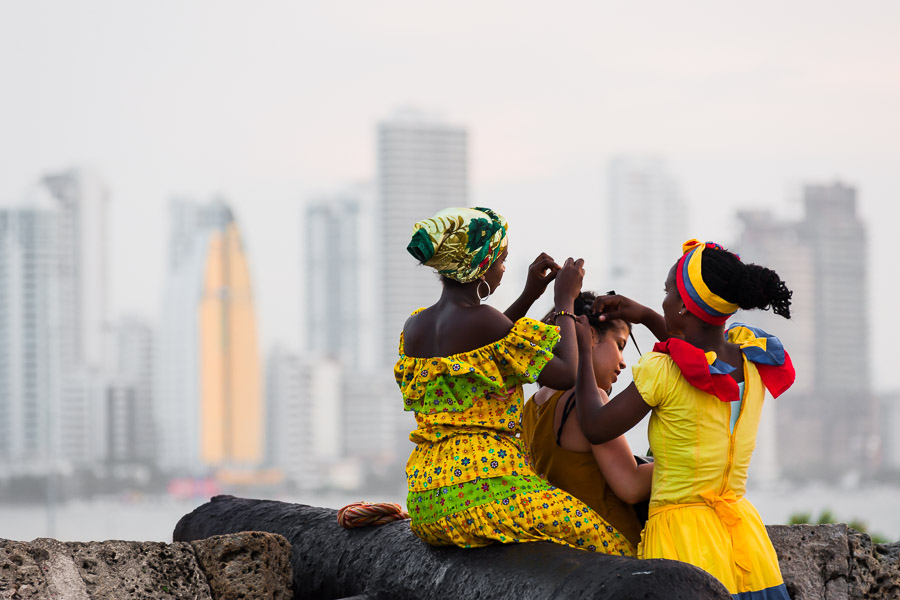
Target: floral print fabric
468,478
548,515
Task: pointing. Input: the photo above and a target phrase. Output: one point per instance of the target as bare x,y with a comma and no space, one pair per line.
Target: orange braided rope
360,514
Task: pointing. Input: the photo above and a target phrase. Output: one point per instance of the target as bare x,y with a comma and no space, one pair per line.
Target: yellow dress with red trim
468,478
703,432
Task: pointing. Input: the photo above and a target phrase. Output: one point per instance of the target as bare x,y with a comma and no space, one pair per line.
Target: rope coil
361,514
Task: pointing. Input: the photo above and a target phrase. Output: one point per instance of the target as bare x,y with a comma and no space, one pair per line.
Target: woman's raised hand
568,283
614,306
540,273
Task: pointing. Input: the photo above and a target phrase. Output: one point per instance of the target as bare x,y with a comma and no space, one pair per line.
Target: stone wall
244,565
216,556
834,562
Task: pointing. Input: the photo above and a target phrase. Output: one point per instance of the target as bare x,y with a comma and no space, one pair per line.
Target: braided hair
582,306
745,284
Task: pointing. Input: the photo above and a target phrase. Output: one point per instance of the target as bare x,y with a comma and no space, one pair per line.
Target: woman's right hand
568,283
615,306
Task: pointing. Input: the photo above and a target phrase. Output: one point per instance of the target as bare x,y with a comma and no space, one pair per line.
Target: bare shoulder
481,326
444,331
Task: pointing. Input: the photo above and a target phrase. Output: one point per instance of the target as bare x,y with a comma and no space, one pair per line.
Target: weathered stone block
834,562
49,569
253,565
246,565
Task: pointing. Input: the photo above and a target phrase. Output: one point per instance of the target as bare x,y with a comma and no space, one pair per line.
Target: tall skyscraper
647,225
827,421
209,409
81,199
422,168
29,338
341,283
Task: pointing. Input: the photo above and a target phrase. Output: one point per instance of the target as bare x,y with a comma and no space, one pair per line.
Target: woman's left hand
540,273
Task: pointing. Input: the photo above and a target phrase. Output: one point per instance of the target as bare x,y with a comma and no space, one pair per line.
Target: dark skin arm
540,273
620,307
560,372
437,332
602,419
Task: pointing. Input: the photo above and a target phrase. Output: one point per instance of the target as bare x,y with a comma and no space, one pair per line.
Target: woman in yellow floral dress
461,369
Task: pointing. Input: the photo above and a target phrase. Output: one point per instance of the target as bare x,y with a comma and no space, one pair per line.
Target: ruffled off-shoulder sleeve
453,383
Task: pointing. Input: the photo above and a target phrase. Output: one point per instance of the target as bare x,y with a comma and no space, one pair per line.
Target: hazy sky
272,103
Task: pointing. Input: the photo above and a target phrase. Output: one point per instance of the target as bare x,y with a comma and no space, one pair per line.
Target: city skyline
280,104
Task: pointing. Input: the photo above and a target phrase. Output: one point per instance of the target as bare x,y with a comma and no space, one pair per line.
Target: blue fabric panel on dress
779,592
736,407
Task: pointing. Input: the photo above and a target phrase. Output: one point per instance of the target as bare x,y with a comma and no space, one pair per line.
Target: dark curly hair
583,303
745,284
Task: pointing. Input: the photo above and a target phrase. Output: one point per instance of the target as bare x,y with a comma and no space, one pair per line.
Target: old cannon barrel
389,561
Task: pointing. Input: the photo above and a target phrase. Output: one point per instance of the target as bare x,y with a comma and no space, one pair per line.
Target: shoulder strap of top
570,404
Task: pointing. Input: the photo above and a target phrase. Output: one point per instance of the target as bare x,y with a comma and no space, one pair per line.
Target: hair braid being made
747,285
582,306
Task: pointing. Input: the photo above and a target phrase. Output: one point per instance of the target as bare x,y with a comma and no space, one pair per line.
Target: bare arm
540,273
629,480
560,372
602,419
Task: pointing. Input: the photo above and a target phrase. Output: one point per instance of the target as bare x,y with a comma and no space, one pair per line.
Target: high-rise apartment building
422,168
305,416
827,421
340,263
647,225
81,199
29,338
130,428
209,407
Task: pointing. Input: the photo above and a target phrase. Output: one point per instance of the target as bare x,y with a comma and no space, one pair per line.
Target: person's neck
463,295
708,339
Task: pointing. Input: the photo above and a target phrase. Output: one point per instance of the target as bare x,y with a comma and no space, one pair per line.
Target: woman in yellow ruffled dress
705,386
461,369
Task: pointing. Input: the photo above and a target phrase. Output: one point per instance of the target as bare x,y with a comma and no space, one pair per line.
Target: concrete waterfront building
305,415
209,407
422,168
129,395
29,338
827,421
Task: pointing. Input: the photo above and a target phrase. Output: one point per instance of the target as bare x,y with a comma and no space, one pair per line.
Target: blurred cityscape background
159,346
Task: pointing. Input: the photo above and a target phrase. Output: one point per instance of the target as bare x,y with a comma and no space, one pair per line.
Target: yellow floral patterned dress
468,478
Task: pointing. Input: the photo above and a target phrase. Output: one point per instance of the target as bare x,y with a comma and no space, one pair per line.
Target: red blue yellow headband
695,294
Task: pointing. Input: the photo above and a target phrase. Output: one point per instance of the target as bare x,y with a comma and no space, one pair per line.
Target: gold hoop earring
478,290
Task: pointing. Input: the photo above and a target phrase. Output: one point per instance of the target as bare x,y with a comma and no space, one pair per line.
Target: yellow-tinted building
230,387
210,409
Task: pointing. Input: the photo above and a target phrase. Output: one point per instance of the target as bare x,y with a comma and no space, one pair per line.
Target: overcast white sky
271,103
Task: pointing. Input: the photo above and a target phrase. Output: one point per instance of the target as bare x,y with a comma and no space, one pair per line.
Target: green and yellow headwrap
460,243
